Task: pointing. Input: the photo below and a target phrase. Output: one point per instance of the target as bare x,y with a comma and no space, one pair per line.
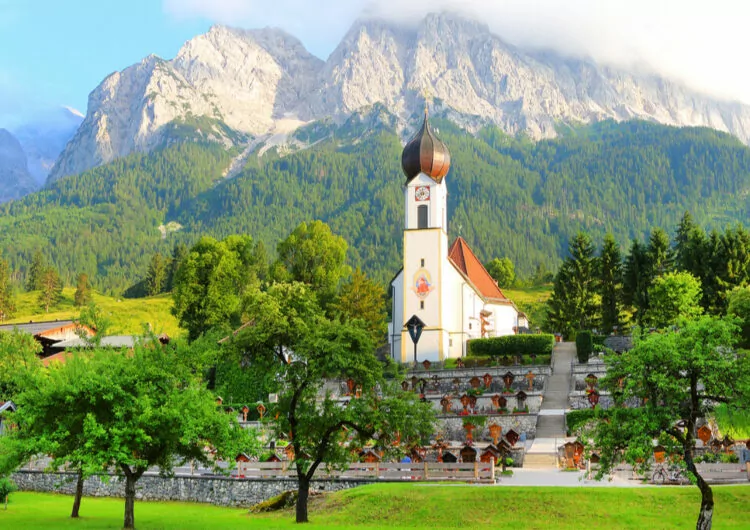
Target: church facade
444,285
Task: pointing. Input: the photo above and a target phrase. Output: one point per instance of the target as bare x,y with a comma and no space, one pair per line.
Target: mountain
263,83
15,179
44,138
508,196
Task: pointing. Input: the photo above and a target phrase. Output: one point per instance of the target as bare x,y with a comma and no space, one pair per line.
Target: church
446,287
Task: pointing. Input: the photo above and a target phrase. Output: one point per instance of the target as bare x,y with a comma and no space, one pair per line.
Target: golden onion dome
425,153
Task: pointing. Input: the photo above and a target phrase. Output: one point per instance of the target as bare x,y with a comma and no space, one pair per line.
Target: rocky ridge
264,82
15,179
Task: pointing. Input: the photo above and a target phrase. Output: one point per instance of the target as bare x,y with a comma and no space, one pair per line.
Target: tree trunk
302,495
79,494
705,517
131,477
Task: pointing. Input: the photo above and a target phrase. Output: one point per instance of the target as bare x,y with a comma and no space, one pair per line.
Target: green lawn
128,315
412,506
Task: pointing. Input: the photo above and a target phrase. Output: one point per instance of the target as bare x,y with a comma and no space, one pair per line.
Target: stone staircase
550,427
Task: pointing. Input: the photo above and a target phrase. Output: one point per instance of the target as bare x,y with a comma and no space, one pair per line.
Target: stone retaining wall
221,491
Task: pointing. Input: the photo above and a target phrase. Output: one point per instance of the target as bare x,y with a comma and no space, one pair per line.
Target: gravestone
468,454
350,386
449,458
487,380
508,379
521,400
705,434
426,364
465,403
496,432
496,401
591,381
530,378
404,386
447,404
474,382
593,398
245,412
512,437
660,454
414,381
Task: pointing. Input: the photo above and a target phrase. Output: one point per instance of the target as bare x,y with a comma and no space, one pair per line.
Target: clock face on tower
422,193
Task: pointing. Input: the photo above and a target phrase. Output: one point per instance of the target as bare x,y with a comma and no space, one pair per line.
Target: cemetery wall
221,491
453,427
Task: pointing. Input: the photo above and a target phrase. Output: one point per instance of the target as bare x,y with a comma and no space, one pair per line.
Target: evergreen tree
572,305
156,276
82,295
51,289
635,281
734,262
179,254
610,284
36,271
7,299
660,254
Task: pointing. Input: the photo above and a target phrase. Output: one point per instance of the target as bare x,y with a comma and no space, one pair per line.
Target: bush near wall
523,345
584,345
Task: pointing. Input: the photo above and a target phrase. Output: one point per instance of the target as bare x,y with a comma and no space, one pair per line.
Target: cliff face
15,179
264,81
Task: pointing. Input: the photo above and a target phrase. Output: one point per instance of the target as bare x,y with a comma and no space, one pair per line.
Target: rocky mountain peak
260,82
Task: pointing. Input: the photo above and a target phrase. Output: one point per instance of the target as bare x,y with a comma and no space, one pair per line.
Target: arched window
422,216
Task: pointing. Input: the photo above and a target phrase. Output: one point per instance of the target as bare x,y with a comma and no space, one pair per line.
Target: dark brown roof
469,265
425,153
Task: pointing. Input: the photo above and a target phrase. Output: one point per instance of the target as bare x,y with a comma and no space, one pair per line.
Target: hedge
584,346
511,345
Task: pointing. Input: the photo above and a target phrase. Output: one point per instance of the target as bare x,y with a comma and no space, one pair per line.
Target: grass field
128,315
532,301
411,506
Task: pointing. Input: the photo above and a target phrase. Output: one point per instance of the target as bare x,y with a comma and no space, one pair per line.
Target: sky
54,52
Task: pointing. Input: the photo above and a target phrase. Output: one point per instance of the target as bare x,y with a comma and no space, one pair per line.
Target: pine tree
36,271
610,284
660,254
572,305
82,295
156,276
7,299
178,255
635,281
51,289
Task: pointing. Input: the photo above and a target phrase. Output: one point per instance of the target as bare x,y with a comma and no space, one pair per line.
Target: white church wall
397,317
437,215
505,318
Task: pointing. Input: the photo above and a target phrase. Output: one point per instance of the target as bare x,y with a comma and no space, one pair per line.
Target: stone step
540,461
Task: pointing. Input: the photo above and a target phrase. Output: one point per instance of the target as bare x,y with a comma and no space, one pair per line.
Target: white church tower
425,161
446,287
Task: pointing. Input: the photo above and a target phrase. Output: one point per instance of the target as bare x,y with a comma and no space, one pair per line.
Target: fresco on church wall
422,285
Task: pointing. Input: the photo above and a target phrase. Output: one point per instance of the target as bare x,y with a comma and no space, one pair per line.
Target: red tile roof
469,265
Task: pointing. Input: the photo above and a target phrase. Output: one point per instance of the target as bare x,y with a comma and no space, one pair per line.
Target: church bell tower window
422,215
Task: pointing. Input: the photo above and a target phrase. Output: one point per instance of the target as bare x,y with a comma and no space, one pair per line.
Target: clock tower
425,161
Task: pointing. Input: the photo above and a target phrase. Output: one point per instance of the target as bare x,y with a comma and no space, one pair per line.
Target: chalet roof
7,405
60,357
114,341
467,263
38,328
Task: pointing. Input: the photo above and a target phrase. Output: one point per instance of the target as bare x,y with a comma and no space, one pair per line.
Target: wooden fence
433,471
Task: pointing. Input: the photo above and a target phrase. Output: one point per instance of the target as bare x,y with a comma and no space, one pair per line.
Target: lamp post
415,326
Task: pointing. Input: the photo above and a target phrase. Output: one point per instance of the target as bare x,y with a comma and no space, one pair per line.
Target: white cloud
700,42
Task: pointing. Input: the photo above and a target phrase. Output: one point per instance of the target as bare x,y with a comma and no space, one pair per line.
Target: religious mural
423,285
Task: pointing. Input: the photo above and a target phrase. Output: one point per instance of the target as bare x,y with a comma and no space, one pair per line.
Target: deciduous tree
673,296
677,377
363,299
503,271
313,255
210,284
291,337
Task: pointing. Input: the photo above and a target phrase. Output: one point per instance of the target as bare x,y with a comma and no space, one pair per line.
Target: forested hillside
508,196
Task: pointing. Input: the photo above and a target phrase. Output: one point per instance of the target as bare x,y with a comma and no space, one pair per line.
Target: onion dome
425,153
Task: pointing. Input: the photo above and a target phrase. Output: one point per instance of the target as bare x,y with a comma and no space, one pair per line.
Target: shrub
523,345
584,346
729,458
598,341
7,487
